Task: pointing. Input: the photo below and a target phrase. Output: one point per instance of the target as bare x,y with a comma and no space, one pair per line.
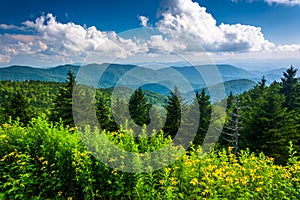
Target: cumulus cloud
144,21
160,43
65,40
184,26
190,19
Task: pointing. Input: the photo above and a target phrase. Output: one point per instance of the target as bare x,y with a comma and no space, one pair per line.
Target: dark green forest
262,123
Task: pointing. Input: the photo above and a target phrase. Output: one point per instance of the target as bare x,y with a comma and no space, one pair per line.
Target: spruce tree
104,113
139,108
259,89
63,103
289,84
119,113
173,108
205,109
266,127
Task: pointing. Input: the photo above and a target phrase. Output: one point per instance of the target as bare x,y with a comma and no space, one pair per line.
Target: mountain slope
159,81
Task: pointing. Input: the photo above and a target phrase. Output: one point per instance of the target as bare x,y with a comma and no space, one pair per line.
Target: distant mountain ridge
235,79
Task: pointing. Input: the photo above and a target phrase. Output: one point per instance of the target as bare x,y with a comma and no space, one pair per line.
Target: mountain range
159,81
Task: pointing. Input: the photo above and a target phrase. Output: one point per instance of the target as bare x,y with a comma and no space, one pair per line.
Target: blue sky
237,27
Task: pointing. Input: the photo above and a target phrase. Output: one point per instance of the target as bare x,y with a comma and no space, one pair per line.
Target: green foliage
267,115
230,133
270,118
38,95
46,161
139,108
289,84
174,112
62,108
41,160
18,108
104,112
203,106
36,160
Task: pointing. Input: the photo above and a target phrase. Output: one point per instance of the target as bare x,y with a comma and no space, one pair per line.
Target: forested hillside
44,154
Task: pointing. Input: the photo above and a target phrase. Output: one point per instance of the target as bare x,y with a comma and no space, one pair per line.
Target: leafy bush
46,161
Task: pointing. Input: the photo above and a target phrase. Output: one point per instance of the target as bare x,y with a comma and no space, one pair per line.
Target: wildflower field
45,161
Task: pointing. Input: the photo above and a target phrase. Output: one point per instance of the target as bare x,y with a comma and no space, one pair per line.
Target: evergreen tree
104,113
289,84
205,110
259,89
139,108
63,103
230,101
18,107
83,106
265,127
119,113
156,120
173,108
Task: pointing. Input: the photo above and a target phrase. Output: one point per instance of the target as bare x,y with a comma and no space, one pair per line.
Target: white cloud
10,27
4,59
289,48
184,17
158,42
284,2
184,27
144,21
61,41
271,2
244,38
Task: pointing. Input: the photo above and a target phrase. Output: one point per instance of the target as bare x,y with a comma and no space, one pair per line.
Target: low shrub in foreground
45,161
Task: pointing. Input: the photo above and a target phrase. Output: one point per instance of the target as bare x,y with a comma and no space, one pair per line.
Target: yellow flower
258,189
230,149
205,192
173,181
41,158
285,175
114,171
188,163
5,125
113,133
122,157
228,179
59,194
194,181
167,170
111,160
244,180
161,182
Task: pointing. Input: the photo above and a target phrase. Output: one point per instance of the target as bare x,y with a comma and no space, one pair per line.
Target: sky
245,32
